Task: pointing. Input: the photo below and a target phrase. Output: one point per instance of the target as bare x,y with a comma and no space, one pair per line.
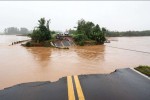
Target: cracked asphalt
123,84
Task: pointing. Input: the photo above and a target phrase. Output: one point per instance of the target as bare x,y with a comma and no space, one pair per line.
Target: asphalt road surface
123,84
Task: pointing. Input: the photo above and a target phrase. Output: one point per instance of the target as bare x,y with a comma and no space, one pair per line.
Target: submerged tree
42,32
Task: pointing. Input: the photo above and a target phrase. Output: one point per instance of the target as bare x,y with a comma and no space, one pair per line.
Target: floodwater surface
28,64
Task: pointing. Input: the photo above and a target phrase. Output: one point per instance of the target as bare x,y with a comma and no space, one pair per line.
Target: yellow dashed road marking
70,89
78,87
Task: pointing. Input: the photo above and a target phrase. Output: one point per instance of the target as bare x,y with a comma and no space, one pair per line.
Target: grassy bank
143,69
35,44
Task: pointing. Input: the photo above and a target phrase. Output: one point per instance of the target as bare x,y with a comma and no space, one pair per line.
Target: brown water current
28,64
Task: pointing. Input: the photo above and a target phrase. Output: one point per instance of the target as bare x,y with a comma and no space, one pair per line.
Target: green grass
143,69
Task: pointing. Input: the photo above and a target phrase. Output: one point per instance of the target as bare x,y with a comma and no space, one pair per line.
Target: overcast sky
114,15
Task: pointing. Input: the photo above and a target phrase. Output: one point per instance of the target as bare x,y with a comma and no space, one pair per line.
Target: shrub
81,43
28,44
80,37
46,44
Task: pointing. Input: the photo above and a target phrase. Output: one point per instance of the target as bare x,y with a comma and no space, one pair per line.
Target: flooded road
23,64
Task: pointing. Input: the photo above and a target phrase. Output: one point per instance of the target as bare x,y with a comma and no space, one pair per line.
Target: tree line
15,31
128,33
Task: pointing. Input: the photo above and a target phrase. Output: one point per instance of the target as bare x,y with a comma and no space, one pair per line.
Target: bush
28,44
80,37
46,44
81,43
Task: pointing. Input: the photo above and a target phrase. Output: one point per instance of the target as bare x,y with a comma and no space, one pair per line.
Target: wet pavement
123,84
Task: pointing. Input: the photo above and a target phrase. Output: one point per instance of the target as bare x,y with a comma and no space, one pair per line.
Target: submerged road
123,84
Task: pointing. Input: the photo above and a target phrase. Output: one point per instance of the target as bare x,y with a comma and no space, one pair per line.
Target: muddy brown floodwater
21,64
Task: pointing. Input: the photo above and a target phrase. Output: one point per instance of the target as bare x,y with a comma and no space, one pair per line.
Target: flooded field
21,64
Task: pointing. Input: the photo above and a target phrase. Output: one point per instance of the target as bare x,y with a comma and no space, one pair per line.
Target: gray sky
114,15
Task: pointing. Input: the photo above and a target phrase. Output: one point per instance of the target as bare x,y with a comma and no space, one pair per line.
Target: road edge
140,73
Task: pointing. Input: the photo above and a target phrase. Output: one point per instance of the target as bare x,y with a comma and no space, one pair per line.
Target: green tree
42,32
88,31
85,27
81,26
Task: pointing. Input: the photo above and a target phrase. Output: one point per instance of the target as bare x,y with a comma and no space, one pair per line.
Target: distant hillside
128,33
1,33
16,31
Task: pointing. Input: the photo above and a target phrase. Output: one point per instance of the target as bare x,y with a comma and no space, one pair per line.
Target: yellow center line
79,89
70,88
